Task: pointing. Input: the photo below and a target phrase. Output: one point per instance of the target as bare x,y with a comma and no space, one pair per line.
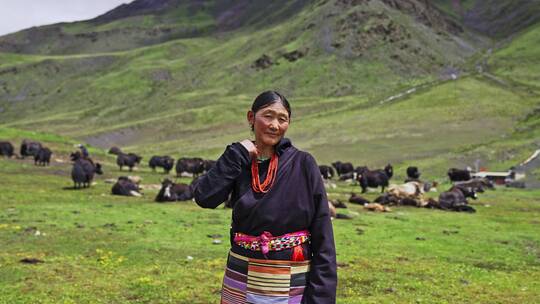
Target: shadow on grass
73,188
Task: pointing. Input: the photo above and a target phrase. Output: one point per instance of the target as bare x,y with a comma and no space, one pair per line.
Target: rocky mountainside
149,22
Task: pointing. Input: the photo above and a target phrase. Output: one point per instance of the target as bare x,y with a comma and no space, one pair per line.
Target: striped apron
256,281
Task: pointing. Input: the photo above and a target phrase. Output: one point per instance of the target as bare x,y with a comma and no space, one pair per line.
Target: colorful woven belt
267,242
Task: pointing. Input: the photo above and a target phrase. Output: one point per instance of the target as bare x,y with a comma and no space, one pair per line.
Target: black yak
327,172
375,178
165,162
456,199
342,168
358,199
6,148
29,148
478,184
458,175
171,192
194,166
413,175
43,157
125,186
83,171
129,160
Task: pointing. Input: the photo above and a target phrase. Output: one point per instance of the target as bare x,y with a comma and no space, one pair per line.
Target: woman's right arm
214,188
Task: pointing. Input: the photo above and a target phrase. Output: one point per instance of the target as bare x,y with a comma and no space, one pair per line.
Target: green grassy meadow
373,86
98,248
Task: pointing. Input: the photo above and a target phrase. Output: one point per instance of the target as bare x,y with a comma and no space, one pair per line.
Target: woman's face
269,123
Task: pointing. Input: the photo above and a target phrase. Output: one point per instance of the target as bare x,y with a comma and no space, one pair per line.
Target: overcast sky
16,15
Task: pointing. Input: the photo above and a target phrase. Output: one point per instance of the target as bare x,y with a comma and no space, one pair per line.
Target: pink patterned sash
267,242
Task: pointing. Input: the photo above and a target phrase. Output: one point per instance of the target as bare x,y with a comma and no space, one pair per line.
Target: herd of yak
410,193
84,169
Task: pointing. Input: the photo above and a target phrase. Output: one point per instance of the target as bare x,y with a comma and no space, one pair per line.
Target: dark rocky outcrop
263,62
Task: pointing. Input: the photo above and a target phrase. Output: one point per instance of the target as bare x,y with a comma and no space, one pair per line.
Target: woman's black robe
297,201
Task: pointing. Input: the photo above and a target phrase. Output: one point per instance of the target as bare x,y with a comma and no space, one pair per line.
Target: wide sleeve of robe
323,274
214,188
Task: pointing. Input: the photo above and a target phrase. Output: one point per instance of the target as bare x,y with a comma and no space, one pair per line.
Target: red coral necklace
270,176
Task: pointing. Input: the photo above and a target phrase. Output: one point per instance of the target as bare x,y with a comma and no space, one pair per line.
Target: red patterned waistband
267,242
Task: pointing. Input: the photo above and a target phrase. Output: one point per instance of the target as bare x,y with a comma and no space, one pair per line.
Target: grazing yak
458,175
128,160
375,178
327,172
6,148
29,148
125,186
166,162
171,192
83,170
342,168
456,199
43,157
194,166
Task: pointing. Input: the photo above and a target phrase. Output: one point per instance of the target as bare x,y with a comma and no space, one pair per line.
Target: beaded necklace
270,176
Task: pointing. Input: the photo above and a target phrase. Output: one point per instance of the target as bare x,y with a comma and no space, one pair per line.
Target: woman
282,243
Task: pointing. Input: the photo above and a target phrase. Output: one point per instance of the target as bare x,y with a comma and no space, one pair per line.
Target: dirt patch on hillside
120,137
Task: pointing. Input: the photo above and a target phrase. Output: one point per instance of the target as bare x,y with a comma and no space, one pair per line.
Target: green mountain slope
367,81
519,61
327,59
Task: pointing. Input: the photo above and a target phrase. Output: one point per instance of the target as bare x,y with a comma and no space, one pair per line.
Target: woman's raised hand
250,146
